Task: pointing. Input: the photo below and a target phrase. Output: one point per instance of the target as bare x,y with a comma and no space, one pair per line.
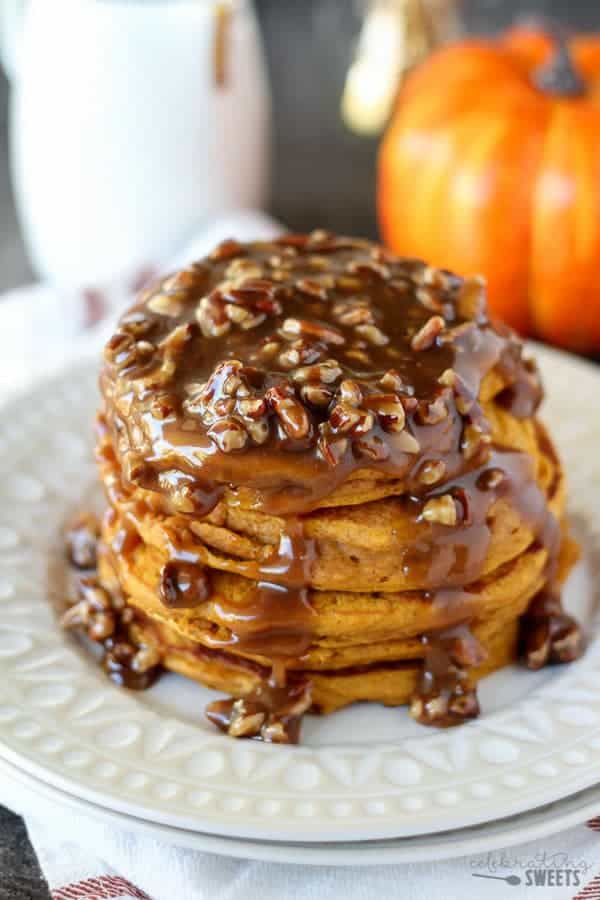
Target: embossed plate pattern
362,774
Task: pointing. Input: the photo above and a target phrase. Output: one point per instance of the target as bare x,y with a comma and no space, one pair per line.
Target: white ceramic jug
133,122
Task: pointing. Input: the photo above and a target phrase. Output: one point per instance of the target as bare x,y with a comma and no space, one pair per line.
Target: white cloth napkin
565,867
39,331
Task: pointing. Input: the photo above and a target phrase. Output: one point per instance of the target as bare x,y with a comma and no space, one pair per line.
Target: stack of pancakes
327,483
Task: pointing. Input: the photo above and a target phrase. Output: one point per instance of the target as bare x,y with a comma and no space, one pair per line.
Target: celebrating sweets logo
541,870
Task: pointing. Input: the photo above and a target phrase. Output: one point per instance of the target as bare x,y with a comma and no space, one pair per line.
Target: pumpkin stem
559,76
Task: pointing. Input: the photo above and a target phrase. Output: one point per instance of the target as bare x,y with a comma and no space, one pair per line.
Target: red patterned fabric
591,891
102,888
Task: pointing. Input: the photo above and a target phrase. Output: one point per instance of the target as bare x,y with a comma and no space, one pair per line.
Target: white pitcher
133,122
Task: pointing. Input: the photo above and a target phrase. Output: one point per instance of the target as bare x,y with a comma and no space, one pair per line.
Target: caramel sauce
277,620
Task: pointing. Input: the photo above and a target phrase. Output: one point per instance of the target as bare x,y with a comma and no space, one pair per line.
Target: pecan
391,380
312,288
241,269
372,268
432,472
406,442
137,324
145,658
82,541
257,294
471,302
474,441
226,250
371,447
353,312
118,348
228,435
549,636
173,344
262,716
344,418
165,305
269,349
440,510
303,353
433,412
465,650
134,466
313,330
318,263
373,335
231,384
490,479
462,396
238,718
349,392
162,406
243,317
118,664
332,449
427,335
446,709
292,415
93,611
183,281
429,299
389,409
101,626
259,431
210,315
347,283
321,236
326,372
356,355
316,395
252,407
289,358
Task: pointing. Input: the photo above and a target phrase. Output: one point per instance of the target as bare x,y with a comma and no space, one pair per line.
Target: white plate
86,824
363,774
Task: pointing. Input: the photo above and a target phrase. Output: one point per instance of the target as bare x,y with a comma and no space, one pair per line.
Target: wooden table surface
322,175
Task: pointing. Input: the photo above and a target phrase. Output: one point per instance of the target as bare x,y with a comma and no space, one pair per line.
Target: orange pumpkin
491,165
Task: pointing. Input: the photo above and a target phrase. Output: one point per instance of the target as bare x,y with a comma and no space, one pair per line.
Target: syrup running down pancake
326,482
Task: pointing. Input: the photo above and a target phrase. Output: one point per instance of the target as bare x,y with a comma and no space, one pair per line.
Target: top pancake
305,372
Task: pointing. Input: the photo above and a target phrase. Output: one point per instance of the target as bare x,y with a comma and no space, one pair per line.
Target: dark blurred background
322,174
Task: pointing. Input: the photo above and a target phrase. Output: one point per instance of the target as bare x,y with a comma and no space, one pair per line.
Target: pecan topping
373,335
260,717
441,511
292,415
165,305
312,330
548,634
427,335
228,435
226,250
432,472
82,541
92,612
